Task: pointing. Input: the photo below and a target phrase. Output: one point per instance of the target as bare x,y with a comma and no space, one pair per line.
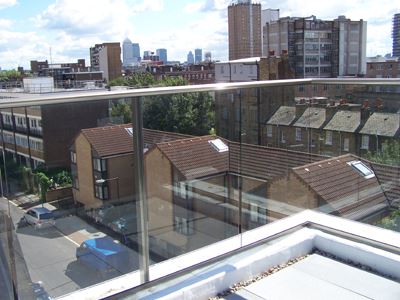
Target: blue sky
28,29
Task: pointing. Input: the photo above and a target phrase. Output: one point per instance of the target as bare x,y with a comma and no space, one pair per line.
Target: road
50,253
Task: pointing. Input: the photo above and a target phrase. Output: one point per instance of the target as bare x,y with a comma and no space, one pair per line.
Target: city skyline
67,29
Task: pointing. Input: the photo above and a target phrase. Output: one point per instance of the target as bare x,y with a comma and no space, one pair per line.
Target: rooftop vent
362,168
219,145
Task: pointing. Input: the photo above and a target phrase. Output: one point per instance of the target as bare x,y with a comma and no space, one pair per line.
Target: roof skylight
129,130
362,168
219,145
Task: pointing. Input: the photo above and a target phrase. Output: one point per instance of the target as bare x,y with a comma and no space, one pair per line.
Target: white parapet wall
38,85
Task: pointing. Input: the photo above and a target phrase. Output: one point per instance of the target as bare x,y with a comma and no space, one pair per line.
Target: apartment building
319,48
106,57
40,67
195,74
43,134
383,67
396,35
247,110
244,29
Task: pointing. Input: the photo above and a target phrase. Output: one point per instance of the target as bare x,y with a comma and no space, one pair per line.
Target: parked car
103,255
39,217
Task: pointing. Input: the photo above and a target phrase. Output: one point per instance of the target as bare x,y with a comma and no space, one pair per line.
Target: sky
31,30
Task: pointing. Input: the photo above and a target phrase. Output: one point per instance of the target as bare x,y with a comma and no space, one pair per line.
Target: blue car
103,255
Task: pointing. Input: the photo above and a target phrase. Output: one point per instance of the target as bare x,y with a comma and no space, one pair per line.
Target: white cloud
7,3
193,7
19,48
6,24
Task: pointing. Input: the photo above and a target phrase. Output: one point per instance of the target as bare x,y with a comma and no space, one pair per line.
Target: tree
389,155
122,110
189,113
10,75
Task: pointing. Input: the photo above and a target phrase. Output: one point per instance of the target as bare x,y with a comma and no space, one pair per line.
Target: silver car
39,217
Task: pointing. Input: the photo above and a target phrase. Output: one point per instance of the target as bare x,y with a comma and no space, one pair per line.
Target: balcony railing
198,165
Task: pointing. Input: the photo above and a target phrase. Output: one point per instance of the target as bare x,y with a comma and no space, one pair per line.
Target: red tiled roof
195,157
115,140
266,162
389,178
340,185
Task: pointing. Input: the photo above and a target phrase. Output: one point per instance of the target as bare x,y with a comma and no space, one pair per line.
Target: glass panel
216,164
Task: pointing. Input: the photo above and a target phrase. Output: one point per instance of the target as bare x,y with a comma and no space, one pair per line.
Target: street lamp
101,181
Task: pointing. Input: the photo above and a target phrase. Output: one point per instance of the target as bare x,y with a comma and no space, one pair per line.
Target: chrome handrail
69,97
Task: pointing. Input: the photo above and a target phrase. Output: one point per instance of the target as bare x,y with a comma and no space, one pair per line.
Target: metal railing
137,96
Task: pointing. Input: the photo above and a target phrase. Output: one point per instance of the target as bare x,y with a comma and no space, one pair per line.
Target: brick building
106,57
43,134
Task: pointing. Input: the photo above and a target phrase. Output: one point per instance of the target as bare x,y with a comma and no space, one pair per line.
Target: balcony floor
318,277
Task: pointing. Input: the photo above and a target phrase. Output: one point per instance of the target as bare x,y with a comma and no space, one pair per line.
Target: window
182,226
182,189
346,144
35,123
8,138
7,119
75,182
365,142
21,141
253,212
73,157
20,121
101,191
298,134
328,137
36,144
283,139
269,130
99,164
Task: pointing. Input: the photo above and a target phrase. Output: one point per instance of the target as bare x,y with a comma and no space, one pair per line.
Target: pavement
72,227
49,252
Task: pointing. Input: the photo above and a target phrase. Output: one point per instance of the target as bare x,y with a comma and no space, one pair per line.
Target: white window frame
298,134
269,130
328,137
346,144
283,139
365,142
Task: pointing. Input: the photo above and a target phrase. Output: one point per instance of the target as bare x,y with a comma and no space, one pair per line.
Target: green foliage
10,75
137,80
122,110
27,180
63,179
392,221
189,113
45,183
389,155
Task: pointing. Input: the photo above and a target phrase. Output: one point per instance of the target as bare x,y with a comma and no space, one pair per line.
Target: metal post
1,184
140,190
240,162
117,179
5,172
